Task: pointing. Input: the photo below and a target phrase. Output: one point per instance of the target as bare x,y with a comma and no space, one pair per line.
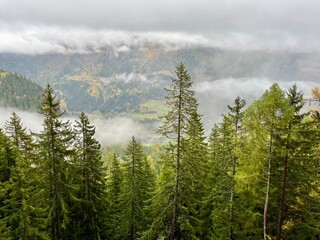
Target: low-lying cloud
120,129
43,39
40,39
31,120
116,130
132,77
213,98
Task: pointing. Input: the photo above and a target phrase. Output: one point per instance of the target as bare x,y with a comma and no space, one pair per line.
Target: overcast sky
60,25
44,26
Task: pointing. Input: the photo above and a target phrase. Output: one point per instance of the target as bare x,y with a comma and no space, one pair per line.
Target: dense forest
18,92
255,177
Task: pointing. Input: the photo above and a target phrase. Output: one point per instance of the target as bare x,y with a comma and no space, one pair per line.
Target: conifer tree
25,215
302,193
208,202
193,185
90,207
55,150
8,159
114,185
181,99
265,122
291,141
134,195
162,213
221,144
236,114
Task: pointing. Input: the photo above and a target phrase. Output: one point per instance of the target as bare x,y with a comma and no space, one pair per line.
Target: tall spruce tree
208,203
25,214
181,99
303,193
55,150
236,115
114,184
193,185
221,144
224,141
135,192
25,217
89,209
8,159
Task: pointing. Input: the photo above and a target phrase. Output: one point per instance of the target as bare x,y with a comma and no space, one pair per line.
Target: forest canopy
256,176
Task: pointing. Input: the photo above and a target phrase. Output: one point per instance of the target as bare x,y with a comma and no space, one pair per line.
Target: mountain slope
19,92
116,83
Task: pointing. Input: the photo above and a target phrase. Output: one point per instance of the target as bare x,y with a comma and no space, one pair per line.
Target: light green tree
265,122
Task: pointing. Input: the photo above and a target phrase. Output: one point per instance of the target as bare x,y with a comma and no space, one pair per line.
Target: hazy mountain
132,80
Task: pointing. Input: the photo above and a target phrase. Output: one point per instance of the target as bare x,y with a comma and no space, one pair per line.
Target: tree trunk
234,161
266,204
231,199
132,192
174,226
284,189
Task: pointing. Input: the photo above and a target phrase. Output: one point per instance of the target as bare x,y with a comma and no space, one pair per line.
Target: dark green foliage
114,185
257,177
298,210
181,186
8,159
138,183
23,213
21,139
194,174
221,144
54,144
220,204
18,91
88,211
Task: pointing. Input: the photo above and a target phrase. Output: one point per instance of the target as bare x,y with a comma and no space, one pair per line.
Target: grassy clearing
151,110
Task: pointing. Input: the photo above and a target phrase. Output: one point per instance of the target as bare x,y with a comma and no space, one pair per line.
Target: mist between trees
256,176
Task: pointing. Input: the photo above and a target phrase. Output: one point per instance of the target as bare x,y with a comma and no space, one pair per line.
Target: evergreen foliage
180,191
114,184
257,176
135,192
89,209
18,91
54,144
25,215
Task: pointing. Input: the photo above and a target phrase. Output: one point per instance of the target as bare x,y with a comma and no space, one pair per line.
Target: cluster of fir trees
18,92
54,184
257,175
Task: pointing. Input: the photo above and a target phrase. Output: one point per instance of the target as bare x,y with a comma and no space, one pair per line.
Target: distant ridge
132,83
19,92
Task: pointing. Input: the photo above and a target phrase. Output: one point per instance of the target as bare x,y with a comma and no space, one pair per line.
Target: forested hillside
255,177
115,82
18,92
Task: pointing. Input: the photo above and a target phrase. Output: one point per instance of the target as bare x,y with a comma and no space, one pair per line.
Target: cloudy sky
62,26
40,26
